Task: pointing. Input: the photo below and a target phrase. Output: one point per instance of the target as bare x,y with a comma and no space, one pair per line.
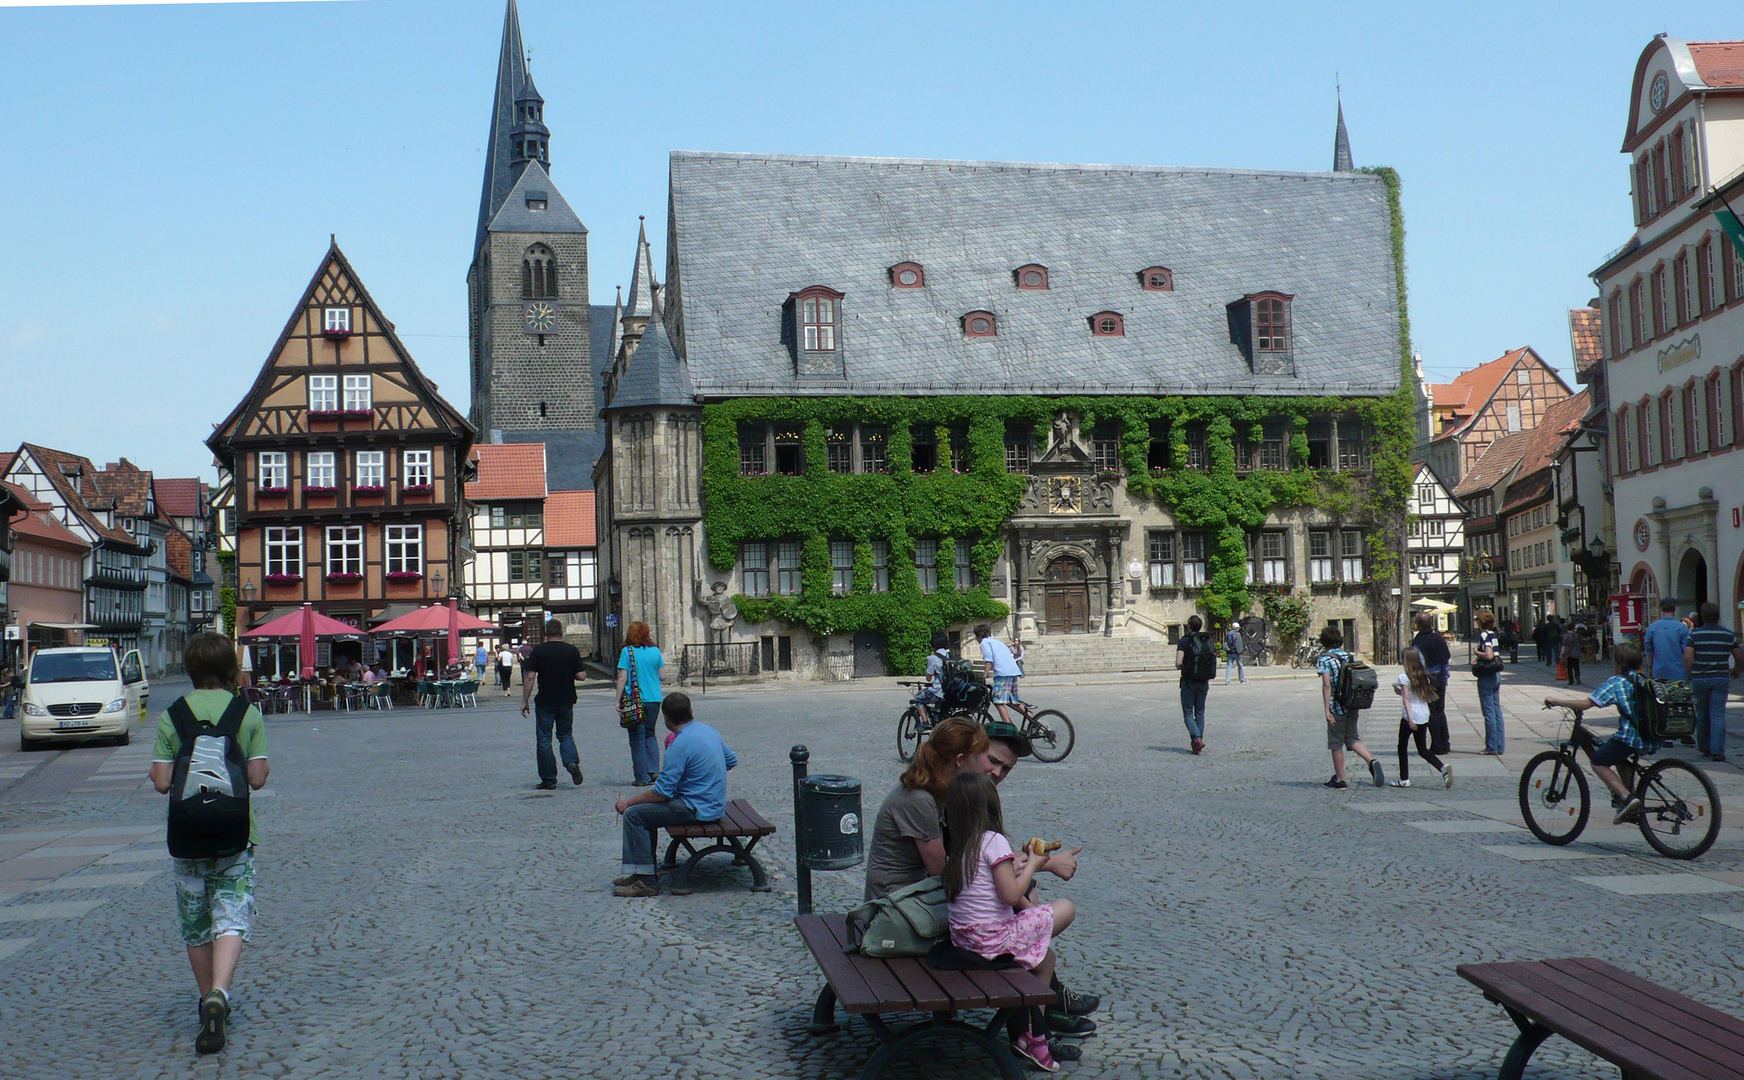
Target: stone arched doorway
1692,580
1068,596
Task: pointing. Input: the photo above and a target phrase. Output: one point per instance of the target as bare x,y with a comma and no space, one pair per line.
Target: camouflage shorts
214,897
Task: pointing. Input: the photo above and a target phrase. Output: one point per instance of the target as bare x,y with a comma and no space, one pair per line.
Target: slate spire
501,166
1341,144
642,283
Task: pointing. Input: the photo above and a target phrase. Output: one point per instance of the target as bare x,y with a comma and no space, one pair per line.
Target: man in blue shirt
692,787
1608,756
1662,643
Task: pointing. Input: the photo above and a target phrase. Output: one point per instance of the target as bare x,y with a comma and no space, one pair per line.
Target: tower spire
1341,139
501,166
642,283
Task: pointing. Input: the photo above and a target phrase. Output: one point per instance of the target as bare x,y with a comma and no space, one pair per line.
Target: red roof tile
1719,63
179,554
178,496
56,464
508,471
1497,459
569,520
1585,337
128,484
38,523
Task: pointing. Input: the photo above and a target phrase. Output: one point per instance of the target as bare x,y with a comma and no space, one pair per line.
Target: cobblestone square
423,912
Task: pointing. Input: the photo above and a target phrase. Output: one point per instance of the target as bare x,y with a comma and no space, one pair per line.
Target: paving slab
1452,827
68,851
11,946
98,881
134,855
1400,806
1660,884
54,909
1549,853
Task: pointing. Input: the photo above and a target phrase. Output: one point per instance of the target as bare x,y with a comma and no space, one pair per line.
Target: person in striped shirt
1713,658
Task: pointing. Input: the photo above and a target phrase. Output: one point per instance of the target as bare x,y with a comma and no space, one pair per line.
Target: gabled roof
1585,337
58,466
179,553
1422,469
655,375
128,485
1554,426
1498,459
569,455
569,520
178,496
508,471
38,521
750,230
515,216
1719,63
1479,386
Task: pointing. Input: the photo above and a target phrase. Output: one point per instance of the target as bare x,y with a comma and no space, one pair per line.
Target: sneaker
1034,1048
1064,1051
1375,771
1336,784
637,887
1631,807
1198,745
574,773
625,880
1078,1004
1401,783
1061,1022
1447,776
547,785
214,1011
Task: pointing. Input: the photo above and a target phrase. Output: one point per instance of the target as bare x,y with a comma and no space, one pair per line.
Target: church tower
527,288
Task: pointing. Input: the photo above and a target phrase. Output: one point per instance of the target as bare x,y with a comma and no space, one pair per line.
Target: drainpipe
1702,122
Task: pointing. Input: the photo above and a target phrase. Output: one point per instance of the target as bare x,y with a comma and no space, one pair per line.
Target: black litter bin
830,836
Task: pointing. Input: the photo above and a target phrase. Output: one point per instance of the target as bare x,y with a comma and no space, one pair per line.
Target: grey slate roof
569,456
557,217
1341,161
511,73
749,230
642,278
656,376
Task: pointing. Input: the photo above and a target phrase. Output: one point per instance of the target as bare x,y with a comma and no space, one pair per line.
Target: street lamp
248,592
436,583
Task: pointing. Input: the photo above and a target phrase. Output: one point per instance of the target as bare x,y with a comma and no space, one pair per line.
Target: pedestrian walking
1572,644
1416,693
1541,641
11,685
555,667
1510,630
481,661
1554,637
212,830
1232,649
1662,644
1714,658
1196,660
639,667
505,667
1002,666
1342,718
1487,667
1437,661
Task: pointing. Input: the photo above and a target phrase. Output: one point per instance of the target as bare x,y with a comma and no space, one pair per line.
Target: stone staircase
1079,654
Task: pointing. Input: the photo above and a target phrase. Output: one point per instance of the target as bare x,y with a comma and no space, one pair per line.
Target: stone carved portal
1068,596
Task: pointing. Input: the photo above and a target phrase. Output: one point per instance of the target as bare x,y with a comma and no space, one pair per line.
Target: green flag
1735,230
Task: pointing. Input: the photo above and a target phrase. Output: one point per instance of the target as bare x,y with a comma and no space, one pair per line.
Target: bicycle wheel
1680,810
908,734
1050,735
1555,814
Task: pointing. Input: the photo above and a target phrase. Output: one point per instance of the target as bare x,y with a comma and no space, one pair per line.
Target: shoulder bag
630,705
908,922
1492,666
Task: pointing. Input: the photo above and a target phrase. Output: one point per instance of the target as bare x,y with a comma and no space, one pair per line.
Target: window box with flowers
283,579
341,414
372,489
319,489
406,575
416,489
272,491
344,579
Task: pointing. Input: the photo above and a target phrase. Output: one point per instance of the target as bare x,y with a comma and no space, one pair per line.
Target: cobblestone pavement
423,912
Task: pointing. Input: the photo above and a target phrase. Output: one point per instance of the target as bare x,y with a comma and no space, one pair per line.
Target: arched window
1271,329
980,324
1157,279
818,318
1107,324
539,274
907,275
1031,276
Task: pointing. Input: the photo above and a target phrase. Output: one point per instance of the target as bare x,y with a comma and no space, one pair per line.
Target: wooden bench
1646,1030
737,832
870,987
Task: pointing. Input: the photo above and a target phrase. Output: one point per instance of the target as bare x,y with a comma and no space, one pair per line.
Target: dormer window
815,331
1107,324
336,322
907,275
817,316
1259,325
537,200
1271,328
1156,279
1033,276
980,324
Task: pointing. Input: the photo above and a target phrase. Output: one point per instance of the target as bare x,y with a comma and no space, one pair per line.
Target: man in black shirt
554,667
1436,657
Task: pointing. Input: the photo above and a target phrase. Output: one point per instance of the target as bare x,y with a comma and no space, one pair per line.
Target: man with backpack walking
1347,687
210,752
1437,660
1232,646
1196,660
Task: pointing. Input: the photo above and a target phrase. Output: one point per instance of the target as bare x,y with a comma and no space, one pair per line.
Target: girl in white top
1415,693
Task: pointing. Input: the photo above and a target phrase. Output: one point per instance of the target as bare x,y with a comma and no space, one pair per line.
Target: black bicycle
910,728
1680,810
1049,731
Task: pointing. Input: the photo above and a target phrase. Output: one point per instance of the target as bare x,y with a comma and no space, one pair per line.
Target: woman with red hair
639,667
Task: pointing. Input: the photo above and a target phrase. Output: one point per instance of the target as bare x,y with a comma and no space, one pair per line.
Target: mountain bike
1680,810
1307,654
1049,731
910,729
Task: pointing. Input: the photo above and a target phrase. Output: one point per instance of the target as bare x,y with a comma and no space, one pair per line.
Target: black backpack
1665,709
1354,686
1201,663
209,785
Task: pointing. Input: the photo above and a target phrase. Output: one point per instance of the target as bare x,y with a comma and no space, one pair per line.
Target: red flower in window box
335,332
406,575
318,489
283,579
326,414
272,491
344,579
416,489
372,489
356,414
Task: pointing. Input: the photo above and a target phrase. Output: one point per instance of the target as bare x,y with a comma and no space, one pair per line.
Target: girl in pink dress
988,885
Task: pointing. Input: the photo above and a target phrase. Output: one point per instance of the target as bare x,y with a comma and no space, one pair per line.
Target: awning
260,618
1437,606
67,625
392,612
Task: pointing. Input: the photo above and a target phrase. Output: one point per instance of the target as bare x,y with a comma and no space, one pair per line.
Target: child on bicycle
933,693
1613,754
988,886
1002,665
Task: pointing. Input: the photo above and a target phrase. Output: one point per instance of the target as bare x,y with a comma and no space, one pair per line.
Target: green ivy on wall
227,595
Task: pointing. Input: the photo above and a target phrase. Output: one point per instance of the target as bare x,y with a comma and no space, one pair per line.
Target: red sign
1630,611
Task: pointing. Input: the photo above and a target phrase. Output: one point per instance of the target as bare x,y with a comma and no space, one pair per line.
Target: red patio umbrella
304,626
434,621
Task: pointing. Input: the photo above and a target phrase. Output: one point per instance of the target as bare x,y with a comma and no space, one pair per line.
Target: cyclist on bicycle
1614,753
933,693
1002,666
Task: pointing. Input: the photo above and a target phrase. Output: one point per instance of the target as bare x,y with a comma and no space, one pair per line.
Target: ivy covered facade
880,399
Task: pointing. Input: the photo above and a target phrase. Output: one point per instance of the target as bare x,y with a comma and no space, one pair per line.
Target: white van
81,693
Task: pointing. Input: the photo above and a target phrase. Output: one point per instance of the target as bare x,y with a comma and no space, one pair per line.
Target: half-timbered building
505,578
1434,543
345,466
1507,395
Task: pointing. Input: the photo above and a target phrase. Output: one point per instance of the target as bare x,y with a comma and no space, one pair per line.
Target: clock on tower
539,317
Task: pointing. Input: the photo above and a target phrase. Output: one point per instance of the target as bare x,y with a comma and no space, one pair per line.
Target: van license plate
74,724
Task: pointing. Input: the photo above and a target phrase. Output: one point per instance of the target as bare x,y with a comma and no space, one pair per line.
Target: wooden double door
1067,607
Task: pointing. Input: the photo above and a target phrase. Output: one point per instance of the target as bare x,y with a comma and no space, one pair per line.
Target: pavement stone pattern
423,912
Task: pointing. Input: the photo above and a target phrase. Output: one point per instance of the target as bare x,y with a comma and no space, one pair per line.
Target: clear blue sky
172,172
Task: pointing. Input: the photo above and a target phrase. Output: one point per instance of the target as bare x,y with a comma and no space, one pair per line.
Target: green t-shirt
208,708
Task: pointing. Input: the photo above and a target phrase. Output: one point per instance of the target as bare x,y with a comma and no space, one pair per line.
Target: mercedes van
81,693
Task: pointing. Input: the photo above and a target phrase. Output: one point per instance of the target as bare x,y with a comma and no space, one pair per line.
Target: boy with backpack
1232,647
1347,687
210,752
1196,660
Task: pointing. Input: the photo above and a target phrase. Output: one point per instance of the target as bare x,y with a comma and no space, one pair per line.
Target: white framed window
965,573
926,564
371,466
321,470
1274,565
841,567
405,548
323,393
1723,409
1350,553
787,554
818,316
1193,560
275,469
1698,417
1674,445
1162,560
357,393
336,320
1650,432
418,472
284,551
1320,557
1434,527
344,549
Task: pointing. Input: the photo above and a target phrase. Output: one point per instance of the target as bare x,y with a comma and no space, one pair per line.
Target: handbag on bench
908,922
